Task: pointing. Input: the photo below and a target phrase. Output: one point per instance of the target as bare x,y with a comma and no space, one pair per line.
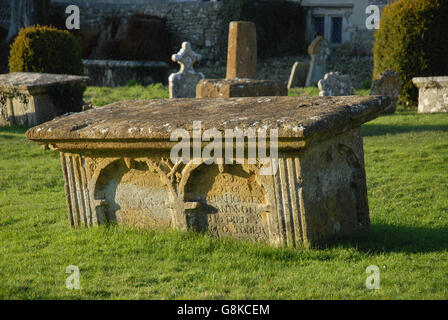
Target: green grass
314,91
100,96
406,158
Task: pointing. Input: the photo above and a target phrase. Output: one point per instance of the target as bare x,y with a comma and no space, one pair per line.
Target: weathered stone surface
242,50
433,94
117,167
319,52
183,83
29,99
387,84
114,73
224,88
335,84
298,75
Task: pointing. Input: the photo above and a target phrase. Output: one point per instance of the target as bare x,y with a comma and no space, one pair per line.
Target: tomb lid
32,80
146,120
430,82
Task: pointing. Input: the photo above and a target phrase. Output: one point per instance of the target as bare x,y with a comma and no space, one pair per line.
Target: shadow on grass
392,238
13,129
369,130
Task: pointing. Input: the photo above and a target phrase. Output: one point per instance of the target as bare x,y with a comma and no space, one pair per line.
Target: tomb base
228,88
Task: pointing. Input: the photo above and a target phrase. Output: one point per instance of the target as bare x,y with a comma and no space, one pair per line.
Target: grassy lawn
407,175
100,96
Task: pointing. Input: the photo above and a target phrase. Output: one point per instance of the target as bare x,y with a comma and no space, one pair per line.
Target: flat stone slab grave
117,167
28,96
432,94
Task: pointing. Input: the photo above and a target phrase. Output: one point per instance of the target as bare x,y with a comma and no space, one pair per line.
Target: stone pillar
242,50
241,69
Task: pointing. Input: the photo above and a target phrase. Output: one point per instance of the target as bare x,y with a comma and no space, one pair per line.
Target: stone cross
242,50
319,52
335,84
387,84
183,83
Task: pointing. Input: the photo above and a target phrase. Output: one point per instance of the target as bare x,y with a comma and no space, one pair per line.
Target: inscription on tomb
230,203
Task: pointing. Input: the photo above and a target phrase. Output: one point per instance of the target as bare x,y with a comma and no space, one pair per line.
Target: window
319,26
336,29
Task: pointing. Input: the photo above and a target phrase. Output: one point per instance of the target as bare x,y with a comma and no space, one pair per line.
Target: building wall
353,13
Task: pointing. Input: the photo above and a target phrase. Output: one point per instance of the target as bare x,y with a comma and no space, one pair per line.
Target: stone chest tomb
32,98
117,168
432,94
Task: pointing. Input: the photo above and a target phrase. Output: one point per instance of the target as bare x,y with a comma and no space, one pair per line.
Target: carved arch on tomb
134,191
232,200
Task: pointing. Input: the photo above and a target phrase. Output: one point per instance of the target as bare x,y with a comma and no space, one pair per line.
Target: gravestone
432,95
183,83
117,165
241,69
242,51
298,75
319,52
29,98
387,84
335,84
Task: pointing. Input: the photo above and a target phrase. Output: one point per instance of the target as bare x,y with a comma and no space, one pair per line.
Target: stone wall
200,23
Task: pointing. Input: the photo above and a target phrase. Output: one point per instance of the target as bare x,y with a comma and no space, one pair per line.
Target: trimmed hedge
413,41
45,49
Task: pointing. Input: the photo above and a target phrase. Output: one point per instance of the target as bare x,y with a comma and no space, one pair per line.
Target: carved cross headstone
242,50
319,52
183,83
335,84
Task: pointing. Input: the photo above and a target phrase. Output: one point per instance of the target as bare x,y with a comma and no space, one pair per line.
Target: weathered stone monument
298,75
28,98
387,84
433,94
242,51
241,69
117,165
183,83
319,52
335,84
